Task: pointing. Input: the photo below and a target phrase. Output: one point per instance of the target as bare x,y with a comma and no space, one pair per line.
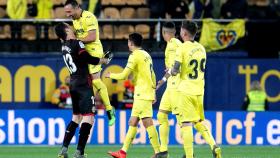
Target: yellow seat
117,2
59,13
128,13
124,31
28,32
262,3
58,2
105,2
2,13
3,2
143,13
143,29
135,2
111,13
51,34
109,31
5,32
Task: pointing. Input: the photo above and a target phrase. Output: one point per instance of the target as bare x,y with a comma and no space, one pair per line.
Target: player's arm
170,72
92,60
85,56
131,63
91,37
119,76
174,70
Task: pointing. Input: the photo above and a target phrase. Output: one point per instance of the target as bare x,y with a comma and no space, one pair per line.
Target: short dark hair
190,26
60,31
169,25
74,3
136,39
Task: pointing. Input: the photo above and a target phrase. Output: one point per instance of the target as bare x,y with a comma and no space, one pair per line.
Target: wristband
164,79
169,71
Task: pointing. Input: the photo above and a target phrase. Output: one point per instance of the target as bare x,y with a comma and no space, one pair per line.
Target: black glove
109,55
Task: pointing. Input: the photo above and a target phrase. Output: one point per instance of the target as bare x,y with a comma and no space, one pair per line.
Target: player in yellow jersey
168,101
87,31
141,65
190,63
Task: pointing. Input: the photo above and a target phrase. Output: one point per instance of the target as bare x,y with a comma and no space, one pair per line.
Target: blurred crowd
175,9
226,9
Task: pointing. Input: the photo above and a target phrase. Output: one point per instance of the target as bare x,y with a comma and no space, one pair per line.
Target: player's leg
103,92
84,132
162,116
131,133
152,132
204,131
71,127
86,106
187,136
188,114
69,133
146,115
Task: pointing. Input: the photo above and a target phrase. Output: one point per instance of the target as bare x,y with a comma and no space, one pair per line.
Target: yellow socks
163,130
203,130
102,89
130,135
153,136
187,135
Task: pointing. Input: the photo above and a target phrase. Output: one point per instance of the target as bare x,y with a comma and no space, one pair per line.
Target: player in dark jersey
77,59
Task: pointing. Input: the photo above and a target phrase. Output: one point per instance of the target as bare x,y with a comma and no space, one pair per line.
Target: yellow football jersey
141,64
82,26
192,57
170,52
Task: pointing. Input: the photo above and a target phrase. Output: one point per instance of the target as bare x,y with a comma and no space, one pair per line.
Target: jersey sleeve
121,76
131,63
90,22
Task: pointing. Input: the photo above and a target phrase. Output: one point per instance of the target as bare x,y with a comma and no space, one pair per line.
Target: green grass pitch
95,151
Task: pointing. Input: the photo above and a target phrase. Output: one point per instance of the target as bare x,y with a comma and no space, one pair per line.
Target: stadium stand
127,13
111,13
5,32
2,13
28,32
57,2
143,29
117,2
125,30
135,2
143,13
59,13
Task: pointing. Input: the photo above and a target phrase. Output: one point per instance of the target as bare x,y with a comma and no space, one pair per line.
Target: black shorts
82,100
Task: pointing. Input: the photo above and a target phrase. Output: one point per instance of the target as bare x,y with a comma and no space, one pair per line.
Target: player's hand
107,75
159,84
109,55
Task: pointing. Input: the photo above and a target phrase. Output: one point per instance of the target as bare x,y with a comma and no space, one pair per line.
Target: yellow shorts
95,53
142,108
191,108
169,101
